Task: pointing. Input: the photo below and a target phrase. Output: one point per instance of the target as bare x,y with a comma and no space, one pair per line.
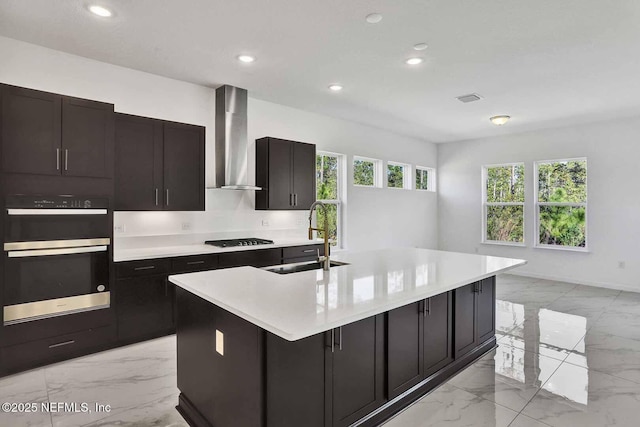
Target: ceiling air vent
472,97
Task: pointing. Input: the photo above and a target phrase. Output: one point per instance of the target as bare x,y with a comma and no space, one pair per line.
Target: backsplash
228,214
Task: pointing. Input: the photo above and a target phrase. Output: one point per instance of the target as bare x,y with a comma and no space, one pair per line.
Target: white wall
375,217
613,153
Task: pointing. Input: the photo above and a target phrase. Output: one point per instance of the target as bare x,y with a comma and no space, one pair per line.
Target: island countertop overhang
299,305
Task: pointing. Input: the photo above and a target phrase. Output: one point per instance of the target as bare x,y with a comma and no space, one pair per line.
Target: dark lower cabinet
474,306
419,338
253,258
356,373
144,306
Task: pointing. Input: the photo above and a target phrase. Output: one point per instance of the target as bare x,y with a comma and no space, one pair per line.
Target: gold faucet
325,230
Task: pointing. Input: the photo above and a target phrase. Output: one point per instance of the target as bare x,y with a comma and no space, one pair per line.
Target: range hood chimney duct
231,139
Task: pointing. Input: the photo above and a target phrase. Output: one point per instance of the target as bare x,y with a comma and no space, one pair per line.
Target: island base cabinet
474,307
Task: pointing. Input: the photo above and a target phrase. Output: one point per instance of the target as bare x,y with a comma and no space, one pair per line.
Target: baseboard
607,285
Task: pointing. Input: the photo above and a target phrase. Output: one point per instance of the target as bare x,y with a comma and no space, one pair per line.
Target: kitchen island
348,346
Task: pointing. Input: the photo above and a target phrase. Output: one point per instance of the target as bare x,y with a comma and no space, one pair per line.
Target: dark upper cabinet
418,342
357,370
285,170
159,165
474,306
49,134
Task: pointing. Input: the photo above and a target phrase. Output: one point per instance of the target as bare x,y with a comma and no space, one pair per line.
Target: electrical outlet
476,249
186,226
265,222
120,228
621,264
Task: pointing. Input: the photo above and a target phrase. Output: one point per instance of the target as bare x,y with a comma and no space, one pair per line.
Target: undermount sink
302,266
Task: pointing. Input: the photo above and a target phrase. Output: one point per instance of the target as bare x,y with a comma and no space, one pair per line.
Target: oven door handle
56,211
55,244
63,251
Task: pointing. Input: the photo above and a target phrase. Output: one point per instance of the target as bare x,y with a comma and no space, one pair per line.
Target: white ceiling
544,62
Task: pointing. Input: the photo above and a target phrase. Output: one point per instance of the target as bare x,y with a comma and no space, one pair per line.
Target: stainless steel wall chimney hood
231,139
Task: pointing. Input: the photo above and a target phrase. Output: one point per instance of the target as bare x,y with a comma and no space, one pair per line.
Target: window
561,203
503,207
329,188
425,179
366,172
398,175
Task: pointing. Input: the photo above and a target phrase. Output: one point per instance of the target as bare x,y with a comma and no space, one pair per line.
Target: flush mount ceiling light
414,61
247,59
100,11
420,46
499,120
335,88
373,18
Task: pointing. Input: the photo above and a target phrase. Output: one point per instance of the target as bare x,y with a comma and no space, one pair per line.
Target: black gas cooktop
248,241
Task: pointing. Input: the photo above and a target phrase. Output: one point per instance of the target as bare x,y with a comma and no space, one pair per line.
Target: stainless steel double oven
56,257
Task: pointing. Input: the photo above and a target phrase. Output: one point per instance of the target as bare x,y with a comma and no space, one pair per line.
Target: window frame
340,202
431,178
538,203
407,176
486,204
377,172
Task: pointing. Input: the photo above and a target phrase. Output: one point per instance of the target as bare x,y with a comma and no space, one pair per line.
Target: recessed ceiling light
499,120
247,59
414,61
335,88
100,11
420,46
373,18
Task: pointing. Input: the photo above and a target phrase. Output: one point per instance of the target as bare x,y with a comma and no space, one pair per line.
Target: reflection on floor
568,355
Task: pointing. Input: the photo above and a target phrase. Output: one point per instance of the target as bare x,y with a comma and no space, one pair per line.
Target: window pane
326,177
363,172
395,176
505,183
332,215
422,179
505,223
563,182
563,226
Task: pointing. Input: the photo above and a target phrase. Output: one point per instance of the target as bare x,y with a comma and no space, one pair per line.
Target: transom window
366,172
398,175
425,178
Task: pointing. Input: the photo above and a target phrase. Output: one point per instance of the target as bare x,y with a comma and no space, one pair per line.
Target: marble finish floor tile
27,387
159,413
626,302
576,396
553,286
507,375
524,421
586,291
452,407
621,324
609,354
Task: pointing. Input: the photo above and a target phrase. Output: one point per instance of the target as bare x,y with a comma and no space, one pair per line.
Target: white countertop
120,255
299,305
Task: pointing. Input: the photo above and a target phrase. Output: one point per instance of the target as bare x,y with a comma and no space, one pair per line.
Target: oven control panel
56,202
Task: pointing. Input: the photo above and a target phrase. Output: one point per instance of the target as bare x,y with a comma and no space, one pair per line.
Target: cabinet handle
148,267
195,262
480,287
66,159
167,197
290,199
57,159
307,251
295,199
62,343
428,306
156,197
166,285
340,339
333,340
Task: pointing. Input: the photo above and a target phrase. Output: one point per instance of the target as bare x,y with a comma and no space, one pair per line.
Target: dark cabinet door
144,306
254,258
31,131
404,348
87,138
357,370
485,324
183,167
304,177
280,174
437,333
138,164
465,319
